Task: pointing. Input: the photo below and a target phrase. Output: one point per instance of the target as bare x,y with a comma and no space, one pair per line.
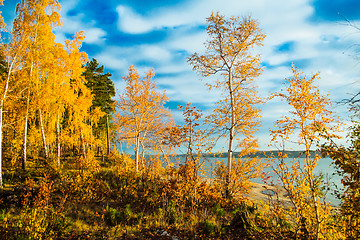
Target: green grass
115,202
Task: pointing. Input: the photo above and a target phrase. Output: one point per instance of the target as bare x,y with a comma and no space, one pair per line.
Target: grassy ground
112,201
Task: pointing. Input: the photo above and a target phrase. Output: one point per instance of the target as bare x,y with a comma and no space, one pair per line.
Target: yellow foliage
142,119
229,53
310,120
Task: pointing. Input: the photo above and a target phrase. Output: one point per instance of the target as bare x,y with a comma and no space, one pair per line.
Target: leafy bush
242,217
112,217
218,210
171,212
125,216
210,228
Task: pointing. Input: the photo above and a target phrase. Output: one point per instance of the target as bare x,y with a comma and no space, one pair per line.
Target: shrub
210,228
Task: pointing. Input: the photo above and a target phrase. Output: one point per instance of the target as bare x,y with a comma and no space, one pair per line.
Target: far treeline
64,174
262,154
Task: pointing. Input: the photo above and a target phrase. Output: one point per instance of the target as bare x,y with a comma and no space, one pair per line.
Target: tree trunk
24,159
6,87
43,135
313,196
107,135
137,140
91,134
121,150
231,137
142,155
24,162
83,144
189,152
1,134
58,147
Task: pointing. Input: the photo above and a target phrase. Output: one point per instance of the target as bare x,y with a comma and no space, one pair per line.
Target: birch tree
5,82
309,121
80,113
33,30
230,59
142,118
68,91
53,73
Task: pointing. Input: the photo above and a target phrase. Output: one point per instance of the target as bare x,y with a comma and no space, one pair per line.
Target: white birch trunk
231,136
24,159
137,140
58,147
142,154
83,144
43,135
6,87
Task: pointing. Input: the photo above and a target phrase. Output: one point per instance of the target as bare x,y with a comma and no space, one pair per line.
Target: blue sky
161,34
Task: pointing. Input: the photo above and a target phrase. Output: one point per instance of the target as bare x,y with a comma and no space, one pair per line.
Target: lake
324,166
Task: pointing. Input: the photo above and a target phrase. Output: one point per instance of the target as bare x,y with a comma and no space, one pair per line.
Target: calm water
324,166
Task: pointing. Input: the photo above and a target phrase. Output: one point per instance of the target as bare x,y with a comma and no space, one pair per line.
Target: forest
65,175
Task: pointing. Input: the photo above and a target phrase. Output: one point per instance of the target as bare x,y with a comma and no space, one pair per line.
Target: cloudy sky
161,34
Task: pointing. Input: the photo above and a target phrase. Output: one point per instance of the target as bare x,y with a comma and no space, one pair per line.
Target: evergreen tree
103,90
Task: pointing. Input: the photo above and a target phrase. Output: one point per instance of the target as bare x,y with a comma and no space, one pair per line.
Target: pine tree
103,90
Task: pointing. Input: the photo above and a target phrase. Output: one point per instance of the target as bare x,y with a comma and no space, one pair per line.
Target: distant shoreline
261,154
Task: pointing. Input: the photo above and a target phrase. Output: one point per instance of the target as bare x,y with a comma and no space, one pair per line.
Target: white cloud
94,35
193,42
76,23
67,5
131,22
154,52
321,44
192,13
113,58
174,68
186,87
